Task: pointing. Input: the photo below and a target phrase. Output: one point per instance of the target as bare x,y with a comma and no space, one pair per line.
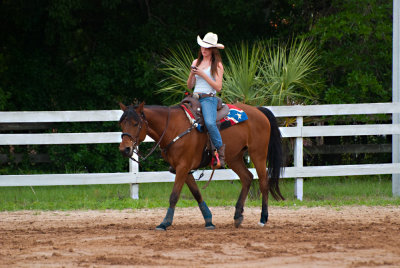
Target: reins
209,180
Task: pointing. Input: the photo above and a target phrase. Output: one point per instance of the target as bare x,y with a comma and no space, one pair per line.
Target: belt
203,95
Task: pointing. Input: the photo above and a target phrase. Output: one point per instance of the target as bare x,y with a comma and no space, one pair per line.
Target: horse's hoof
210,226
161,227
261,224
238,221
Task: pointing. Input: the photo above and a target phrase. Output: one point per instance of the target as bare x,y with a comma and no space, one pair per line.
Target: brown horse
259,135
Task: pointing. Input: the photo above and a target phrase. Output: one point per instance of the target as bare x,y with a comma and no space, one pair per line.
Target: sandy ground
304,237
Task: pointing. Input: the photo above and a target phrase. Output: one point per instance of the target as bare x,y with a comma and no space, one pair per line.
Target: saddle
193,105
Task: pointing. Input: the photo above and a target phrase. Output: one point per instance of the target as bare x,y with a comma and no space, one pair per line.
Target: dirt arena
304,237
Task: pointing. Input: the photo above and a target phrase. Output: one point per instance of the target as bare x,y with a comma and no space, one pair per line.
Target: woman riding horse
206,77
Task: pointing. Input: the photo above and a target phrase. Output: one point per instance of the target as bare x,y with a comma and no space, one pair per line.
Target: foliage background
91,54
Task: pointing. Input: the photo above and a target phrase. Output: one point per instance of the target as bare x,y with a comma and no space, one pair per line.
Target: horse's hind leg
238,166
194,189
260,165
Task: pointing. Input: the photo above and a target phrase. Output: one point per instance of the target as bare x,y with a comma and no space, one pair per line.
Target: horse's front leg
180,178
194,189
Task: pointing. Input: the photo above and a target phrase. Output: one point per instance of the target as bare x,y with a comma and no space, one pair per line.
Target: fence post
396,93
134,169
298,161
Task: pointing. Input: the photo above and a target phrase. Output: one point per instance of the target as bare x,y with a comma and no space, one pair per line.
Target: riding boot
221,155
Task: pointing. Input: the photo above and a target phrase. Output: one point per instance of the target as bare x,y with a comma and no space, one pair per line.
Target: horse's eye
135,125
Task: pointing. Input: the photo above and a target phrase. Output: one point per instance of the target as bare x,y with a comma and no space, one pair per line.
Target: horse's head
133,124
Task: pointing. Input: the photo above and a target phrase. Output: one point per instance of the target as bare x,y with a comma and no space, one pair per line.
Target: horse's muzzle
126,151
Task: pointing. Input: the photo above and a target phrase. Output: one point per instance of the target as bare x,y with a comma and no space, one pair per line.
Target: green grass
340,191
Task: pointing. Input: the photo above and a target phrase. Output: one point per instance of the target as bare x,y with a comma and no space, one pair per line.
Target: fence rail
135,177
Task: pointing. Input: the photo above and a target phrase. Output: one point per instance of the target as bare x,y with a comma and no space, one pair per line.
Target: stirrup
216,163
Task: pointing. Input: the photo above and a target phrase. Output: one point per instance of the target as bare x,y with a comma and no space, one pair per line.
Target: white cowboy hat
209,40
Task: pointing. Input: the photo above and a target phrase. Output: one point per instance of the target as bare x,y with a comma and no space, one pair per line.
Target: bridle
135,140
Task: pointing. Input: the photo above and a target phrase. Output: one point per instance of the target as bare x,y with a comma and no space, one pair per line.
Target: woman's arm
192,79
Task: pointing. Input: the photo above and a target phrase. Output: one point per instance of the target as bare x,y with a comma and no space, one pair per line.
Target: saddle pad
234,117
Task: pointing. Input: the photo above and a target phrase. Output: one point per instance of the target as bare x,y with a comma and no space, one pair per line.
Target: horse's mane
160,107
131,111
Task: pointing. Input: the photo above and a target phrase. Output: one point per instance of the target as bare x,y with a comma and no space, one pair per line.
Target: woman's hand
198,71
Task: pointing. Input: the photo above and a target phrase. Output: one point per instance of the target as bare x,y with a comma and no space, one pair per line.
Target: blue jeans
209,110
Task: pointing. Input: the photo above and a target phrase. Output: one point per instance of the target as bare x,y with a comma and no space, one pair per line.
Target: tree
354,44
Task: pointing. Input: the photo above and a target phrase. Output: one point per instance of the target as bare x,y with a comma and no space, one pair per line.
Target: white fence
134,177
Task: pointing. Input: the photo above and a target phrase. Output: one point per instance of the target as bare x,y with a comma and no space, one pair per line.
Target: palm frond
176,67
287,72
241,81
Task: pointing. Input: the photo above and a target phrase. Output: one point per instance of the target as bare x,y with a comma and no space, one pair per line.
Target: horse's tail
275,155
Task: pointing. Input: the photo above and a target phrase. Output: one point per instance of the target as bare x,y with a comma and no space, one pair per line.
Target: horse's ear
140,107
122,106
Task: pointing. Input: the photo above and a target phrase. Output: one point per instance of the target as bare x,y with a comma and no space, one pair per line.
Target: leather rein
135,140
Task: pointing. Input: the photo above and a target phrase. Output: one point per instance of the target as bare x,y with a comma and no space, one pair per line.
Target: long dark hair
215,60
